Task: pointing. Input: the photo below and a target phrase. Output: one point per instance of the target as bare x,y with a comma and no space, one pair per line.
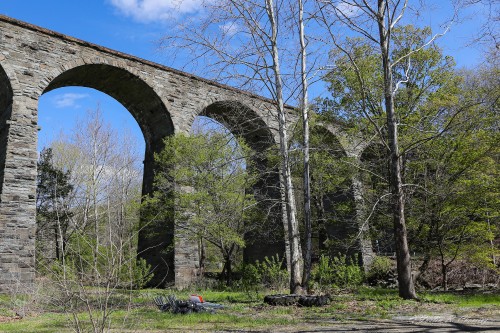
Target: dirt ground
430,324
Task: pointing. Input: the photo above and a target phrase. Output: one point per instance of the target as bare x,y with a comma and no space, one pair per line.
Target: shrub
137,272
269,274
251,278
381,272
273,274
337,272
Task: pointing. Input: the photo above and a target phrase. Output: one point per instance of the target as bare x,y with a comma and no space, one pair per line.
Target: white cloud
230,28
348,9
68,100
156,10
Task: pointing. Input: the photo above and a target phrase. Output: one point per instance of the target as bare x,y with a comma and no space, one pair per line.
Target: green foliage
381,268
274,276
323,272
82,263
331,173
53,186
208,178
448,136
53,213
251,278
136,273
454,214
337,272
268,274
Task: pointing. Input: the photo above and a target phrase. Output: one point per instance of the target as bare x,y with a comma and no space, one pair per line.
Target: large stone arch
242,121
149,109
123,84
355,226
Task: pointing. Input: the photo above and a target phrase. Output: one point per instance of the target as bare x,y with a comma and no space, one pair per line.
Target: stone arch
123,84
330,140
242,121
150,111
375,165
351,231
333,229
373,151
6,99
245,122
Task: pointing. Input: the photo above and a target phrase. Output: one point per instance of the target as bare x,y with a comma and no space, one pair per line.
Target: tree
53,213
453,210
488,31
99,255
105,171
377,23
305,125
212,187
245,42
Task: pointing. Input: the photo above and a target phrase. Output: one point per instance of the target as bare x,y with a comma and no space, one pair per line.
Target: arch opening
333,204
222,178
235,121
155,123
93,140
135,95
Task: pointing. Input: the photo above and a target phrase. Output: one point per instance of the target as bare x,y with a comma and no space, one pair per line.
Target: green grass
244,311
388,296
463,300
45,323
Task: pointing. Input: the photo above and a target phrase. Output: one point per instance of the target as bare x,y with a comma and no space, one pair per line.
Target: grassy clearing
464,300
243,311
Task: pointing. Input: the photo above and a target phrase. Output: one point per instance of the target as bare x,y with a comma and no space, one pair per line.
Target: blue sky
134,27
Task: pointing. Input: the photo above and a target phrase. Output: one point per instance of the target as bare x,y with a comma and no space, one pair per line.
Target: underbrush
460,274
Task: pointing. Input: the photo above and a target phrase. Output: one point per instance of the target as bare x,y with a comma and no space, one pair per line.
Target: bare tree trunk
444,275
320,208
406,285
284,217
305,124
201,256
293,230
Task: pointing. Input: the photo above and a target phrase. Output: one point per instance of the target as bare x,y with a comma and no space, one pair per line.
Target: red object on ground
196,298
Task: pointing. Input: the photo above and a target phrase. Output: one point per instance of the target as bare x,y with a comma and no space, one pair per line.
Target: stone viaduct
164,101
